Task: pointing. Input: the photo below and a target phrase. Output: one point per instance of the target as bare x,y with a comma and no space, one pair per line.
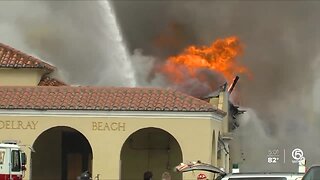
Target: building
113,132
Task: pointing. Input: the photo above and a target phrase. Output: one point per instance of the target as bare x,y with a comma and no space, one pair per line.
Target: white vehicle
221,175
12,162
263,176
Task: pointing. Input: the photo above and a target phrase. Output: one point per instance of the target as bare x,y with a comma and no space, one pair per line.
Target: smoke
257,141
254,142
281,49
142,65
246,148
279,42
75,36
316,87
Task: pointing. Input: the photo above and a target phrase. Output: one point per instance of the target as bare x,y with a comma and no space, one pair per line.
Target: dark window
15,161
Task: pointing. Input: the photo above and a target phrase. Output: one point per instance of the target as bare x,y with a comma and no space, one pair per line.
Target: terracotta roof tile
49,81
101,98
13,58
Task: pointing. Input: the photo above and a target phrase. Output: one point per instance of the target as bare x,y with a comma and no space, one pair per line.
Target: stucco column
214,159
223,159
106,161
227,157
200,149
224,105
28,174
106,168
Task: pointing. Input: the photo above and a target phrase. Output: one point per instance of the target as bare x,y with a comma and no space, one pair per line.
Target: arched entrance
60,153
150,149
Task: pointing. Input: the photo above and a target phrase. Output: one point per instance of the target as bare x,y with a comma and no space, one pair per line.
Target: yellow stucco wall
107,134
20,77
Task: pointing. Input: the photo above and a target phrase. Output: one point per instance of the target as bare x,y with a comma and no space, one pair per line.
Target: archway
150,149
60,153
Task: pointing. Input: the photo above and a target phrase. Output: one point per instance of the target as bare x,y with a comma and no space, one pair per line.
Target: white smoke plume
78,37
281,49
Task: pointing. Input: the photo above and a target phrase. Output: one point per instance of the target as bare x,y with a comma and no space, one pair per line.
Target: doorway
150,149
60,153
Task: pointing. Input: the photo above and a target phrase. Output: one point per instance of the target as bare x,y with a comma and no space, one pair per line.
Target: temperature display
273,160
273,156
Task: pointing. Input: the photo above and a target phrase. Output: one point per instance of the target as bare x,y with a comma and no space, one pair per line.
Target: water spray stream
120,53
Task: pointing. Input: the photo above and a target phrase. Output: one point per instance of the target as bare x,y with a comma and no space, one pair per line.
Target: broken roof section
50,81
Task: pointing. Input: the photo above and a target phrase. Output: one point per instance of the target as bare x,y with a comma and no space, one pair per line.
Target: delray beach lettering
18,124
108,126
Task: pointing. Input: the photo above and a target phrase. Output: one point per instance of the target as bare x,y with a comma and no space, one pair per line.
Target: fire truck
12,161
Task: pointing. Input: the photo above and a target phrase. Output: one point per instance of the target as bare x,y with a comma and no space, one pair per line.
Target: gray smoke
74,36
254,141
281,49
316,94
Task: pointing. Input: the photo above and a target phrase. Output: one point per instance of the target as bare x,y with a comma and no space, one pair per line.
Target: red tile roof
101,98
13,58
49,81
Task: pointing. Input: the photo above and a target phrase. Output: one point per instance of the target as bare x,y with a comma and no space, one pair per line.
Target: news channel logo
297,155
275,156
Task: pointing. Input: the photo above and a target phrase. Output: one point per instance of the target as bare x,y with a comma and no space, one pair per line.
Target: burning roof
220,57
52,94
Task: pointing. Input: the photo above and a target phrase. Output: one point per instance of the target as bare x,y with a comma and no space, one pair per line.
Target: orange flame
220,57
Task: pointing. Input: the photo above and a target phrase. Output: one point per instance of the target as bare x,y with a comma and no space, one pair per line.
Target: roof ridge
171,91
103,87
101,98
10,60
